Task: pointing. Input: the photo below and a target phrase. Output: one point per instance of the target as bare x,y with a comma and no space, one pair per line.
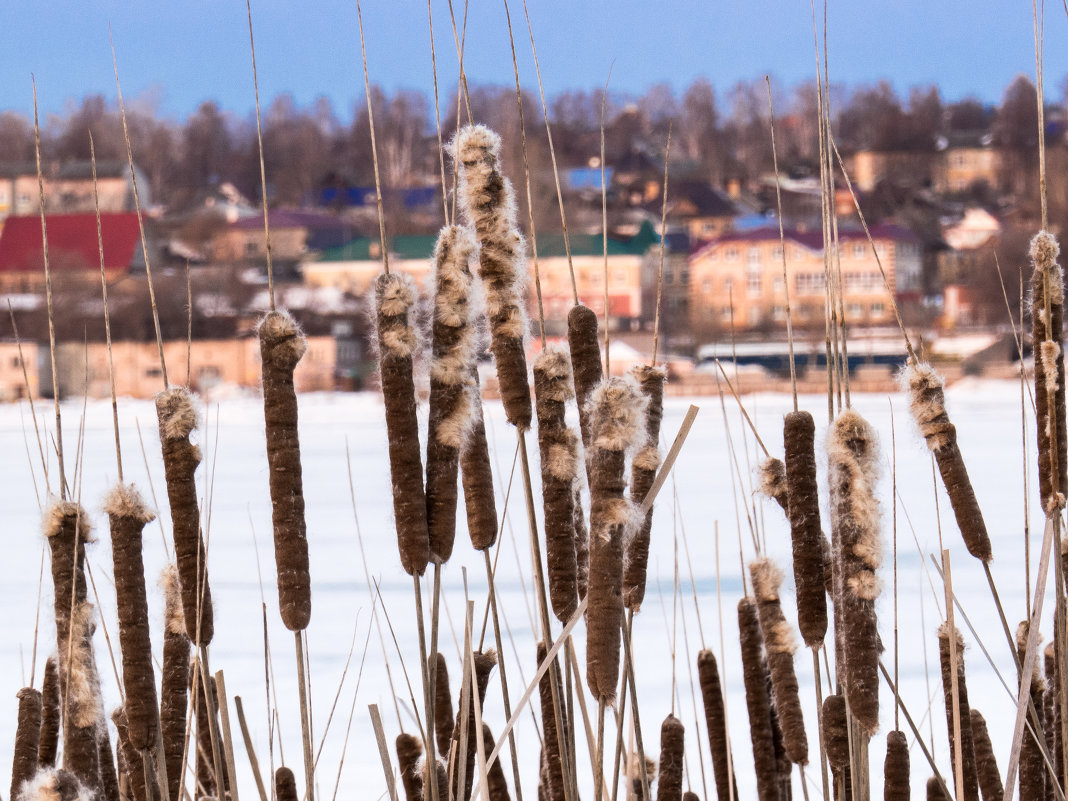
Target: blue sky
176,54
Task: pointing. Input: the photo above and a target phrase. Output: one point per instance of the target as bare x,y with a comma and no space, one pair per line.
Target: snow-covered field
345,434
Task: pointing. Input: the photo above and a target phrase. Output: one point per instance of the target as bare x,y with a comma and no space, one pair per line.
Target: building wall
624,285
357,277
963,166
241,244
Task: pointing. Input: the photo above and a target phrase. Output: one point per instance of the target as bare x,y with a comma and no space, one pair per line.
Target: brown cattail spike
177,419
477,478
773,482
643,471
716,722
967,744
128,516
444,723
174,691
558,447
672,742
131,763
485,661
497,783
836,731
927,400
109,776
451,396
616,413
896,768
551,763
48,744
1052,705
806,536
409,751
394,302
582,541
935,790
585,361
990,784
857,554
1032,764
488,201
779,647
282,344
1047,290
27,739
757,702
285,783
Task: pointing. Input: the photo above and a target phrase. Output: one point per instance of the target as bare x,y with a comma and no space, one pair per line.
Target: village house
294,234
353,267
68,188
867,168
737,279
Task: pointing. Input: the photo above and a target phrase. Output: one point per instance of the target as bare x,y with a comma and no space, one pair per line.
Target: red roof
72,242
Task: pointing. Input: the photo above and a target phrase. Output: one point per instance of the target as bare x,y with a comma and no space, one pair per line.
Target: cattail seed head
409,752
394,301
477,478
174,690
585,361
484,661
773,482
896,768
716,723
672,743
444,723
285,783
1047,290
967,743
836,731
497,783
282,344
130,762
51,714
643,472
27,739
554,771
1032,763
857,554
986,765
177,419
756,700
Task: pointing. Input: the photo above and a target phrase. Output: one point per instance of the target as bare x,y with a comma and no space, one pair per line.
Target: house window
778,313
754,256
753,281
858,250
854,309
810,283
798,254
728,285
776,284
727,313
732,254
251,248
877,309
777,254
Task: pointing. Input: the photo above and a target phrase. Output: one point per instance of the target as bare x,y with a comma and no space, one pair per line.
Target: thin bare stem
663,237
374,159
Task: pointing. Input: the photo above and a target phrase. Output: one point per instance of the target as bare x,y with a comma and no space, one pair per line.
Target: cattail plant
451,398
896,780
643,471
409,752
616,414
497,784
1032,764
207,780
109,777
927,401
836,736
476,476
1052,708
27,739
444,724
986,765
779,648
640,775
757,701
177,419
285,784
51,784
131,765
552,764
773,482
857,554
585,362
935,790
174,690
689,795
394,302
582,541
485,661
67,529
128,516
1047,314
672,742
969,779
48,744
488,201
716,722
282,344
559,471
806,536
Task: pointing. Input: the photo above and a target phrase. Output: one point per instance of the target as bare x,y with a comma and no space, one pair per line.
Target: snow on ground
345,434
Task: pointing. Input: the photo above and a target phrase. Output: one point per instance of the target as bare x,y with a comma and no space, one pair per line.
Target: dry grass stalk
451,397
779,648
643,471
409,752
758,702
672,743
394,303
130,762
857,549
616,413
558,447
128,516
485,661
174,690
497,784
773,482
1032,766
476,473
806,535
282,344
716,722
927,401
969,778
177,419
285,784
48,744
552,765
51,784
985,762
27,739
444,723
1047,314
896,768
488,201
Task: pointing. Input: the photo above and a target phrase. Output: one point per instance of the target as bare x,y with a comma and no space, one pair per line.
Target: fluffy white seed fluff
279,326
172,593
176,412
767,578
924,387
617,411
57,511
772,477
125,501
